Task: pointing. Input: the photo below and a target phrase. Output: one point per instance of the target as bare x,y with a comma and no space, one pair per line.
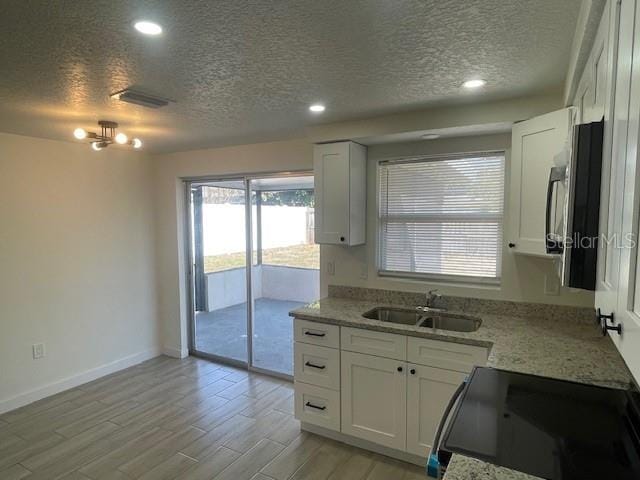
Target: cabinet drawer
448,355
317,405
316,333
317,365
380,344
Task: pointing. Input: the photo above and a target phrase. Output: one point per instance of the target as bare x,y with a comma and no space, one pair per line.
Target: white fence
282,226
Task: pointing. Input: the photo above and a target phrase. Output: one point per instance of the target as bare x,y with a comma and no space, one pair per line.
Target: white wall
523,278
229,287
289,283
170,219
77,264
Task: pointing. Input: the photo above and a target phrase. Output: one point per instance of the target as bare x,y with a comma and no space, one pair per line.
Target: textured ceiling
245,71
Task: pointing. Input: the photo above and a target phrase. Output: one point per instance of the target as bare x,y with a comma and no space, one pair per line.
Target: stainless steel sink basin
411,316
405,316
450,321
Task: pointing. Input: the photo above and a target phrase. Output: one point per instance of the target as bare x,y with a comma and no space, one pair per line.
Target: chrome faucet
432,299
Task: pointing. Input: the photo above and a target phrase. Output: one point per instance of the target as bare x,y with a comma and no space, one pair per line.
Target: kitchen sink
411,316
450,321
404,316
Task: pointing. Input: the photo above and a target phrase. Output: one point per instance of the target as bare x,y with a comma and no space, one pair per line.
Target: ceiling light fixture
317,108
476,83
80,133
106,137
148,28
430,136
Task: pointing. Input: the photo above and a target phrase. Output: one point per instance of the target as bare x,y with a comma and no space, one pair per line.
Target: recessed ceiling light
477,83
430,136
317,108
148,28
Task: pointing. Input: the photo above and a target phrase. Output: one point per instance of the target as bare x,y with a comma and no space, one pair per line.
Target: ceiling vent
139,98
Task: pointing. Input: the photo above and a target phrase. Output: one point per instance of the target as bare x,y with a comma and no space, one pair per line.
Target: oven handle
434,469
557,174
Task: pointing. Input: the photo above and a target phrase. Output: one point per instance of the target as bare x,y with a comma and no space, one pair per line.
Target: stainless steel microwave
573,208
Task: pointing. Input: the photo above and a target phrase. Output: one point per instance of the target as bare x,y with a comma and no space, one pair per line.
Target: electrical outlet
364,271
331,268
38,350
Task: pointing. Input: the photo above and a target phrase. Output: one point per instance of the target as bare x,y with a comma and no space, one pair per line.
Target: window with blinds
442,216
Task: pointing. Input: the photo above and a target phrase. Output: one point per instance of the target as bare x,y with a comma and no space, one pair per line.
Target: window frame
465,280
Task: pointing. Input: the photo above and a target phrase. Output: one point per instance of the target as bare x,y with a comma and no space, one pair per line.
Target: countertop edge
409,331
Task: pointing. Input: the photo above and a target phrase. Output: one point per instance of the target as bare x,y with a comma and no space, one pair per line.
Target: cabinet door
628,308
616,117
331,169
428,393
374,399
600,65
585,96
535,145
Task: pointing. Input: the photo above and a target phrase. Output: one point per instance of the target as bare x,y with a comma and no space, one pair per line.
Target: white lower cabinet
317,405
390,390
374,399
428,392
317,365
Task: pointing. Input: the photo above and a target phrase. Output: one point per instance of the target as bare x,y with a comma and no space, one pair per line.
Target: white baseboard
71,382
175,352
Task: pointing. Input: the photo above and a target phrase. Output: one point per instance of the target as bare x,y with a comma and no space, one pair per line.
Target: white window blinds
442,217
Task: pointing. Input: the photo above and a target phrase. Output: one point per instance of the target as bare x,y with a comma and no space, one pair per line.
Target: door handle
602,320
606,328
311,334
556,175
319,367
601,316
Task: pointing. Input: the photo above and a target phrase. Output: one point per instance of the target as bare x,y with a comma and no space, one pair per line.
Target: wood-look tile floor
178,419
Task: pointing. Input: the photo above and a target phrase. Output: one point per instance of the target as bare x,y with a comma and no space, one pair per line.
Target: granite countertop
568,350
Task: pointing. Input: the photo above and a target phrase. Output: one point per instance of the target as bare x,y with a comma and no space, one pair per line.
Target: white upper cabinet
627,115
537,145
616,115
617,288
340,193
593,93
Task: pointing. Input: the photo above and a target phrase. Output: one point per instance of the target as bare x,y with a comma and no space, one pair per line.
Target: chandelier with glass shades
106,137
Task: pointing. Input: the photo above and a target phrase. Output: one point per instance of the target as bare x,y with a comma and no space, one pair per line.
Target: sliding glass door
219,246
286,266
254,260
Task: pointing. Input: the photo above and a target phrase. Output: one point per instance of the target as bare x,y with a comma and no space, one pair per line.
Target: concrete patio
223,332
